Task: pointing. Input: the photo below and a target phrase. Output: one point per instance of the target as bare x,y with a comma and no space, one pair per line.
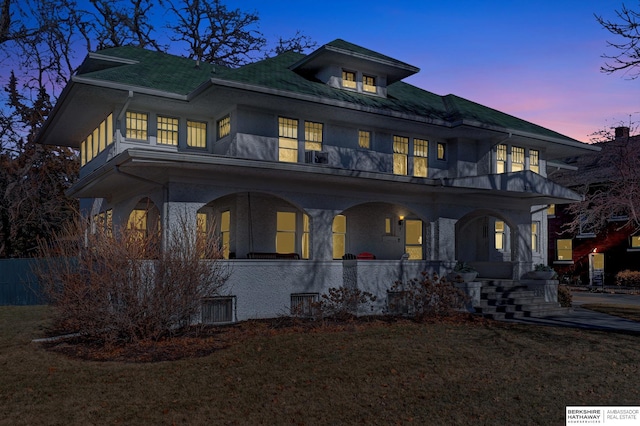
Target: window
196,134
305,236
167,131
420,157
288,140
339,236
364,139
136,123
224,127
286,232
369,84
499,235
312,136
349,79
217,310
387,226
501,158
564,250
534,160
225,232
97,141
442,151
413,239
400,152
517,159
535,236
551,210
635,241
137,223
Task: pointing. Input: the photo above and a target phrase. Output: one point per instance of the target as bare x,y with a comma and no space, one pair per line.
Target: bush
344,303
429,296
121,286
564,296
628,278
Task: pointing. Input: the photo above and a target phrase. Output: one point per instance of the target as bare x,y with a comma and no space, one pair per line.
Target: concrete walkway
579,317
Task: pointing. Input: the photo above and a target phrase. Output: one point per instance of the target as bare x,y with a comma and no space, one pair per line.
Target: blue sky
538,60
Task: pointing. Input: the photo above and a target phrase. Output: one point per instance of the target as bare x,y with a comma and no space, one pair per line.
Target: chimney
622,132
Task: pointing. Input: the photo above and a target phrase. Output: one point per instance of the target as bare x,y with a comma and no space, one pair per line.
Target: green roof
177,75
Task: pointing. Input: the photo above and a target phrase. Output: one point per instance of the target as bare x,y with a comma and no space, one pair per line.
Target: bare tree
626,29
610,183
215,34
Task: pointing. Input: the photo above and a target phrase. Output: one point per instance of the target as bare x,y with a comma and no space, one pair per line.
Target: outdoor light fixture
401,220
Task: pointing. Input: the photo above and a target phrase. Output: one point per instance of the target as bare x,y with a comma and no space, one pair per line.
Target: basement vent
397,303
218,310
303,304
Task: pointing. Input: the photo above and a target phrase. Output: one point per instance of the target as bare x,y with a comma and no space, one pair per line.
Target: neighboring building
586,257
301,160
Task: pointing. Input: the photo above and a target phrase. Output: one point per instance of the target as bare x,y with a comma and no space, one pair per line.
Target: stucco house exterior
316,170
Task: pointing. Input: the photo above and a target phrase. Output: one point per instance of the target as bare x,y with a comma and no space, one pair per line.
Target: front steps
507,299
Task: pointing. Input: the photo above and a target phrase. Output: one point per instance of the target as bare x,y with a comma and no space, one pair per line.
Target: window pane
635,241
534,236
224,127
136,124
305,236
501,158
499,233
288,140
413,239
285,242
400,151
196,134
534,161
340,224
364,139
517,159
349,79
369,84
286,221
338,245
564,251
167,130
312,136
442,151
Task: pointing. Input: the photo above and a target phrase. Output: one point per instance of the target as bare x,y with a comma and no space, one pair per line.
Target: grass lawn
482,372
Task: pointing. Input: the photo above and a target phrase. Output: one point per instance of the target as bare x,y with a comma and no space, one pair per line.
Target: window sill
563,262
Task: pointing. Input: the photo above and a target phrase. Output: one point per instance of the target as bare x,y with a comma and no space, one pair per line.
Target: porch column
522,248
444,240
321,222
177,216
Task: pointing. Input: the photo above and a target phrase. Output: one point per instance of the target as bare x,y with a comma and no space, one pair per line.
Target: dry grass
481,372
631,312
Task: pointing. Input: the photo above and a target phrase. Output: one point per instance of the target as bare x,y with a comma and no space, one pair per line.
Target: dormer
349,67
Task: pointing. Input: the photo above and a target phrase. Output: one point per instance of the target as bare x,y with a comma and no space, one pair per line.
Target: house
586,256
301,160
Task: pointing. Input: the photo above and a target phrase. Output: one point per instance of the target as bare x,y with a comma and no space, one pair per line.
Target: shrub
628,278
344,303
426,297
120,286
564,296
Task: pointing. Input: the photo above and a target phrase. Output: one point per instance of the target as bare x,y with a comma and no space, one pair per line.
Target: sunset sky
537,60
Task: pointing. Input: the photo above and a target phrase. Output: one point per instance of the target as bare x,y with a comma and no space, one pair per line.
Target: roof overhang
153,168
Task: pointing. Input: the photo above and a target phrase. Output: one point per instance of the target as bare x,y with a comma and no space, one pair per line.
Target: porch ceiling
143,168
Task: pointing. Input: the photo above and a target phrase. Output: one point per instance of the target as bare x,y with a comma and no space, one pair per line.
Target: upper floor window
420,157
97,141
501,158
312,136
364,139
196,134
224,127
136,123
349,79
517,159
400,153
369,84
287,139
534,160
167,130
442,151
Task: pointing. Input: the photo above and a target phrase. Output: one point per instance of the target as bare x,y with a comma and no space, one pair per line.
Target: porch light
400,220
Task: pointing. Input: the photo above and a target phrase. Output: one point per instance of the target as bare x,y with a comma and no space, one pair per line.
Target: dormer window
349,79
369,84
